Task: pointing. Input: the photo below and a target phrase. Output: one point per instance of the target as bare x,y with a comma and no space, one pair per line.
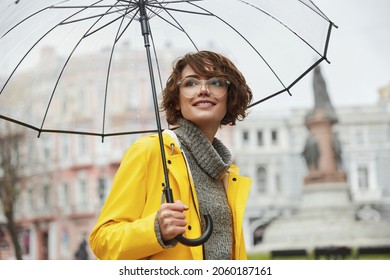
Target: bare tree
10,173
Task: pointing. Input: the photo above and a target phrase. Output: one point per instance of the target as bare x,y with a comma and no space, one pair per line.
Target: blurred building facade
268,148
67,177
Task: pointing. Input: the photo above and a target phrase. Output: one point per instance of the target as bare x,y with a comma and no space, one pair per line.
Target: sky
359,53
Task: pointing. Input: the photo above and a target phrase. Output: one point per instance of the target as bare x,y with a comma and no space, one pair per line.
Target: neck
209,131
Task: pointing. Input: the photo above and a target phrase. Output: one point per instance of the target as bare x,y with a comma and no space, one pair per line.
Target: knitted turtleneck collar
213,158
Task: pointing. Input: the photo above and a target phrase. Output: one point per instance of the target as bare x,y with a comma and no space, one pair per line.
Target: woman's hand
171,218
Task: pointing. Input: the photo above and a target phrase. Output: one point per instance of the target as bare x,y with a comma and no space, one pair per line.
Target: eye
191,82
216,82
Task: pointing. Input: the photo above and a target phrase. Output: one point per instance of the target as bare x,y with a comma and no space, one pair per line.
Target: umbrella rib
327,40
127,26
88,6
107,24
79,132
179,27
164,19
317,11
250,44
323,57
156,58
33,46
180,1
108,76
290,86
20,123
94,16
149,6
23,20
17,66
281,23
63,69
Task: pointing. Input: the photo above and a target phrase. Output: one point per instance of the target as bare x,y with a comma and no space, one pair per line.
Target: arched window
258,234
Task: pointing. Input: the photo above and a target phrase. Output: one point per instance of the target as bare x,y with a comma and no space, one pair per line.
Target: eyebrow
197,76
192,76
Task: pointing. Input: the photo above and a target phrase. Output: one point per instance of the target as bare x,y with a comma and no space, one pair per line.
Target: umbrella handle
202,239
197,241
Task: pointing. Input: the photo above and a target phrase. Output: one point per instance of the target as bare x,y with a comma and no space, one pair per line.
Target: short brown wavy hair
208,64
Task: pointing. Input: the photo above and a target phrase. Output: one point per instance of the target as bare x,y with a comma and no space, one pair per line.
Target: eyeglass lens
190,86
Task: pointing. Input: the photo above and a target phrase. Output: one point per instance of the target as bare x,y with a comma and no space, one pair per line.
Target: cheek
225,102
179,104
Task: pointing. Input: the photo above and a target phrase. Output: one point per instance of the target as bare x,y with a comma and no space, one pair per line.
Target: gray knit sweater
208,162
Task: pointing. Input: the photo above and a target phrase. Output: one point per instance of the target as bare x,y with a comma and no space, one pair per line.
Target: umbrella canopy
96,67
75,66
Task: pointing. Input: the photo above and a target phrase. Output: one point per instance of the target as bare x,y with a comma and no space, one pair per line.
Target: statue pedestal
315,177
328,157
326,218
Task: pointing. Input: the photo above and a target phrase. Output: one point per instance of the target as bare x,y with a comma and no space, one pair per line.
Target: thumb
185,207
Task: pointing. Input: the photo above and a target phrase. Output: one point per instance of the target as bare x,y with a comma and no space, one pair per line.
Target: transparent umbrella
96,67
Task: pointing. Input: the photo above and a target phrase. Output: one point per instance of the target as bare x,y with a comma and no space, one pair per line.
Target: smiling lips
203,103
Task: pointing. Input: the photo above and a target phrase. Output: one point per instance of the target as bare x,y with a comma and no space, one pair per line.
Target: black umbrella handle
203,238
197,241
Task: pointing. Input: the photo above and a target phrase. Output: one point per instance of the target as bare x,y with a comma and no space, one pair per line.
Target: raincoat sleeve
125,228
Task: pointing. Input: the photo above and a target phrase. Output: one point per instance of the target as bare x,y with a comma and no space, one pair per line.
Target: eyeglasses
190,86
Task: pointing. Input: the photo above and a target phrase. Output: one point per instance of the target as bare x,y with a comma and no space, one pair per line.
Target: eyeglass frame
204,82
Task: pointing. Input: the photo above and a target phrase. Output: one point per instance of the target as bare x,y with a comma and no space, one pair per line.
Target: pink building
66,178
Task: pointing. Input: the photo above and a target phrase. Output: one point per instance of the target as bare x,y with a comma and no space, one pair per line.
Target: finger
166,213
185,207
171,232
176,206
172,223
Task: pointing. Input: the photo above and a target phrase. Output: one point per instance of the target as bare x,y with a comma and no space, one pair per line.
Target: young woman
204,92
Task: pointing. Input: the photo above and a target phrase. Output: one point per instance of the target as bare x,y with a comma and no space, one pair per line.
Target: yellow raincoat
125,228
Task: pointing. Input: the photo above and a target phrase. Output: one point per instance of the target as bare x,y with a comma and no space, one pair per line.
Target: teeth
203,104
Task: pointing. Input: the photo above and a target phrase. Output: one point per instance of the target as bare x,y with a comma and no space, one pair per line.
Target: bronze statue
311,153
321,97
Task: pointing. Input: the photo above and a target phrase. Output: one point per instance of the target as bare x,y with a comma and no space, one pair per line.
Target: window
30,200
260,140
261,179
245,137
46,147
46,196
65,243
102,190
278,184
82,191
65,146
363,178
274,137
83,147
64,195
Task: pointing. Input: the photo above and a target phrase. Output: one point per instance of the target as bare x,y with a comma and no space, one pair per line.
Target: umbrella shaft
145,34
144,21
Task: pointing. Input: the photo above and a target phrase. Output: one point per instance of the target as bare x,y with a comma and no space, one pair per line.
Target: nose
203,88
